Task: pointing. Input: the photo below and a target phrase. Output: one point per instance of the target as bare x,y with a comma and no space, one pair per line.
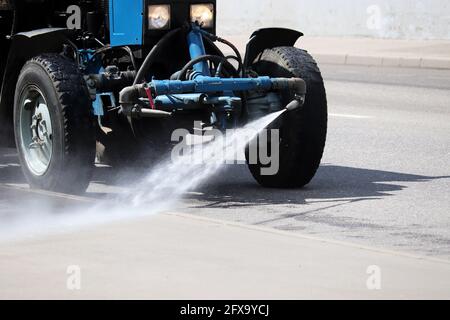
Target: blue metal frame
92,64
126,22
197,49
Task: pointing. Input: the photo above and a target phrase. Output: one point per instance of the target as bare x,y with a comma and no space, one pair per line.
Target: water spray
159,191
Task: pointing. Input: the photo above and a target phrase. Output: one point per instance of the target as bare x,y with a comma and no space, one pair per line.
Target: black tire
69,106
302,132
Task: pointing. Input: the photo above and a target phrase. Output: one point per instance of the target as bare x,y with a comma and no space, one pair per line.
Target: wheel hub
36,131
39,131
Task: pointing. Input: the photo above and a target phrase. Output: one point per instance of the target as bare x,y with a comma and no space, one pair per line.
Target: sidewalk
176,256
431,54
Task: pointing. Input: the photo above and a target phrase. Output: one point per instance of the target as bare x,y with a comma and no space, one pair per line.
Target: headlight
203,14
159,17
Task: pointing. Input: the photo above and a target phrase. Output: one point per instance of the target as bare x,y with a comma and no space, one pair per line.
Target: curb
374,61
379,61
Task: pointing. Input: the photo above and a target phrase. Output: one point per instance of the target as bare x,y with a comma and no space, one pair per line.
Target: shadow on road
10,171
235,187
333,187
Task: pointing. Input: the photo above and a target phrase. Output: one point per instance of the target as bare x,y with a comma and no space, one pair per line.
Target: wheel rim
36,132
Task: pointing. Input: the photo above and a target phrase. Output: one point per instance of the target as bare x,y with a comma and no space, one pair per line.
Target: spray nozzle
297,103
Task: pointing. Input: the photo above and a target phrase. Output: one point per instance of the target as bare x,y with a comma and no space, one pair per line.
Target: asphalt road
384,181
385,177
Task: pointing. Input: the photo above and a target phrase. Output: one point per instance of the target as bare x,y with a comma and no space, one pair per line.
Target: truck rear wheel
53,125
303,131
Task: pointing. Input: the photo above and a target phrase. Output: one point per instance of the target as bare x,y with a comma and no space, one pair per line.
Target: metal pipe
130,95
180,101
150,113
197,49
209,84
212,84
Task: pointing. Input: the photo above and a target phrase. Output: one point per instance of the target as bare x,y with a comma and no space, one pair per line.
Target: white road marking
349,116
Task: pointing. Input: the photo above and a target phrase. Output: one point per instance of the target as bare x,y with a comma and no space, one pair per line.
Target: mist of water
174,178
158,191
